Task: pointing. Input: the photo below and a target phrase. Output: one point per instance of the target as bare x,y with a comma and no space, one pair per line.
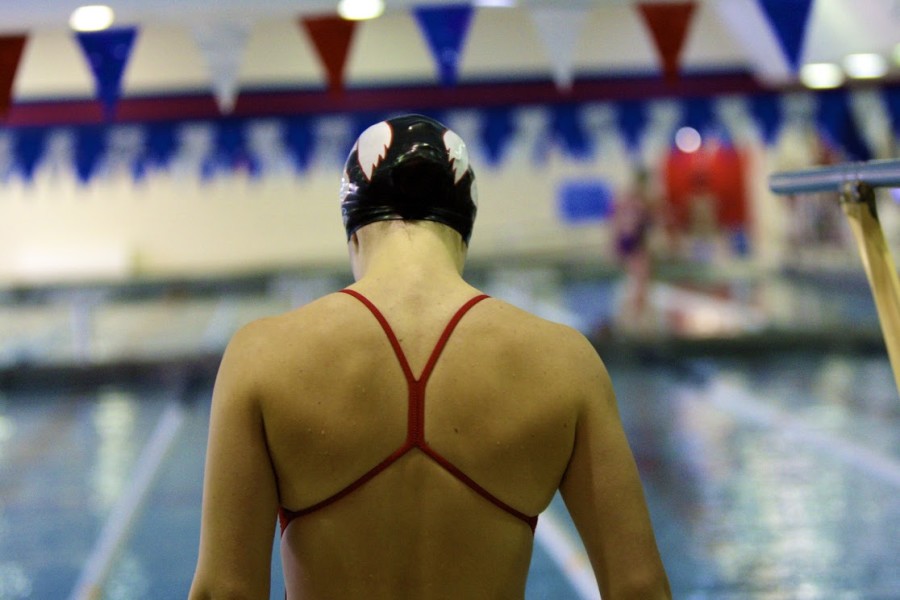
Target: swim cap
409,168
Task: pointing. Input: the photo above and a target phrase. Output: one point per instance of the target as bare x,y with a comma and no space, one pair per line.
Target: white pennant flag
749,27
222,45
559,29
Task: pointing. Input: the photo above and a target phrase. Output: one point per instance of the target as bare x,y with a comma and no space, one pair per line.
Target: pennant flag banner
283,146
892,99
668,23
331,36
766,111
559,30
90,146
300,141
30,145
570,131
496,132
107,53
222,46
788,19
698,113
632,118
836,120
445,29
10,54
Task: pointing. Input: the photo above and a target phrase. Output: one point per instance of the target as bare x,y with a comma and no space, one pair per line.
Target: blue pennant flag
698,113
90,144
766,111
788,19
496,132
300,141
29,149
445,29
162,144
892,100
231,146
570,132
632,119
836,120
107,53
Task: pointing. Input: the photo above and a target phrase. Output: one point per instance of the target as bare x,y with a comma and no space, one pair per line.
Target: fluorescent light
688,139
495,3
820,76
865,66
358,10
91,18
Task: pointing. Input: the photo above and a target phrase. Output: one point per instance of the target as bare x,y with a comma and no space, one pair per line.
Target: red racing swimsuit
415,434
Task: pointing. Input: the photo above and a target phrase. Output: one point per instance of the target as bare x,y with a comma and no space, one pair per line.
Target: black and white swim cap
409,168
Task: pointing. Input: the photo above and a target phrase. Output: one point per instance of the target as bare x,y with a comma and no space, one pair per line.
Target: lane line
90,583
743,405
553,537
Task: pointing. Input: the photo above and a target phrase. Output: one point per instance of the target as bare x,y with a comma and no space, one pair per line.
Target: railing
855,184
875,173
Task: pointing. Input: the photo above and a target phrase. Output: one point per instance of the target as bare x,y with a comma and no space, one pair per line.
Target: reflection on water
114,420
149,322
779,497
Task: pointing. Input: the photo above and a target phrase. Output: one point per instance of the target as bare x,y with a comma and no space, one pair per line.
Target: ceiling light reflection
820,76
91,18
688,139
358,10
865,66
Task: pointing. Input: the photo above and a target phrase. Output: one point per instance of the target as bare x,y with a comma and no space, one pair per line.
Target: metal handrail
875,173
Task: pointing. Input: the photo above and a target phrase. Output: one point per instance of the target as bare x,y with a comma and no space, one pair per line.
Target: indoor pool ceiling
725,36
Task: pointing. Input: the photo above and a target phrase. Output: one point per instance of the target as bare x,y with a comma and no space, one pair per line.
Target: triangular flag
107,53
10,53
331,36
668,23
222,45
746,24
558,28
788,19
445,29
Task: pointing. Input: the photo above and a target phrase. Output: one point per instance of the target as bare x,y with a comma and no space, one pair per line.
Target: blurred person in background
634,217
409,429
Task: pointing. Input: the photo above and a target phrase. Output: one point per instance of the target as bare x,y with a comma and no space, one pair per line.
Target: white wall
56,228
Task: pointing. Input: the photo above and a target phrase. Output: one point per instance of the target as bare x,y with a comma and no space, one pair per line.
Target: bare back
498,406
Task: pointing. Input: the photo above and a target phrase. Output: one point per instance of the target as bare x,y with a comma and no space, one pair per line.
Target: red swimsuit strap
415,437
395,343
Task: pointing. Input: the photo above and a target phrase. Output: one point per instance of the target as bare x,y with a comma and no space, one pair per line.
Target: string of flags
857,124
444,28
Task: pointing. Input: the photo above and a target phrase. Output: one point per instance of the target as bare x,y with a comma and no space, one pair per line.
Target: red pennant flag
668,23
10,53
331,36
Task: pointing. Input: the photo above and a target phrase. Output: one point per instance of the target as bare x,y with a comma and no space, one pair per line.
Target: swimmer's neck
400,253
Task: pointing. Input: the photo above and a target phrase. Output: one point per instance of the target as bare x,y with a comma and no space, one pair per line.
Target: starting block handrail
875,173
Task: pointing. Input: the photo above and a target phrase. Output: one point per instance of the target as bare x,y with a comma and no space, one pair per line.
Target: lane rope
568,556
116,529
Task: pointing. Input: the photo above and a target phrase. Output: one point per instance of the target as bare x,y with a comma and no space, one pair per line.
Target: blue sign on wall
585,201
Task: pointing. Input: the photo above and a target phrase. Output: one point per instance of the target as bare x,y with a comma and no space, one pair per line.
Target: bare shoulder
562,338
570,352
270,339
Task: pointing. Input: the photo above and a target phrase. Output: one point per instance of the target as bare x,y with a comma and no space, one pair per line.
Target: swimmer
409,430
